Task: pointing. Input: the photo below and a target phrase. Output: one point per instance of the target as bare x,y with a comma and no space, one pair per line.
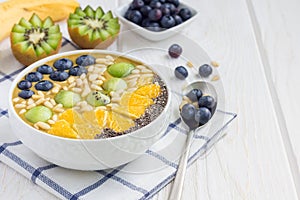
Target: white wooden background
257,43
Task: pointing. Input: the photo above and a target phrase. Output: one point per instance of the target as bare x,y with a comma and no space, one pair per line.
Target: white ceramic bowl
82,154
151,35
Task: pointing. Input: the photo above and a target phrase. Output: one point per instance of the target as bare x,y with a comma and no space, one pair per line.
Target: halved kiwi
35,39
90,28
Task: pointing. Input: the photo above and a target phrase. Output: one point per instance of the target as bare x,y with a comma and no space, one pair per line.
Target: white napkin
140,179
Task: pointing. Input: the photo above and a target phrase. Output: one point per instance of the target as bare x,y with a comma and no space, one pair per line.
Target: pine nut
82,76
109,58
15,100
23,102
98,82
65,88
135,71
55,90
93,77
48,93
43,125
132,76
99,70
48,104
31,106
96,87
50,121
115,100
215,64
190,64
41,100
91,68
141,67
109,63
146,71
54,117
57,85
22,111
78,82
35,97
101,78
60,110
100,66
36,126
101,60
146,75
30,101
20,105
131,89
41,93
86,91
71,79
72,85
215,78
52,101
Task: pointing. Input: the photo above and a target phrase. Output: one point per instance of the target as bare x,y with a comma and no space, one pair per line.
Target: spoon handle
180,174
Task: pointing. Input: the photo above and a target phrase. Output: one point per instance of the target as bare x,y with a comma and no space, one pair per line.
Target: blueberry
207,101
154,26
77,71
145,10
44,85
127,13
175,50
177,19
162,1
167,21
146,23
45,69
25,94
194,95
147,1
59,76
203,115
181,72
185,13
137,4
155,4
165,11
34,76
188,111
205,70
174,2
173,9
24,85
135,16
63,64
155,14
85,60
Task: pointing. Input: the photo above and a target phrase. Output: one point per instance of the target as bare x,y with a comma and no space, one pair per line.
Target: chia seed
151,113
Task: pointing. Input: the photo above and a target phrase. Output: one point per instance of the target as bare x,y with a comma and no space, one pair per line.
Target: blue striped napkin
140,179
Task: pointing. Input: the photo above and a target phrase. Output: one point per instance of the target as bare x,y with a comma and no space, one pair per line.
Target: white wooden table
257,44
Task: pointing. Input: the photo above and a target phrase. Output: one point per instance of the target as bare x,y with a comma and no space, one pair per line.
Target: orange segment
90,117
71,116
101,116
150,91
118,123
87,131
63,129
138,100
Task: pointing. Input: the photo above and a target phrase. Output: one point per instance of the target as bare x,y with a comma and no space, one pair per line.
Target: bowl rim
81,52
118,13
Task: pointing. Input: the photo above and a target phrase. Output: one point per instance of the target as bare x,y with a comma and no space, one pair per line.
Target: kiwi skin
28,57
85,43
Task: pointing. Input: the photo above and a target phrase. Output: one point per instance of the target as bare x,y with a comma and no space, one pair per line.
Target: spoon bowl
207,89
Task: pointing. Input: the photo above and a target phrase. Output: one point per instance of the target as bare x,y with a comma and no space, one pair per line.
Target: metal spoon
208,89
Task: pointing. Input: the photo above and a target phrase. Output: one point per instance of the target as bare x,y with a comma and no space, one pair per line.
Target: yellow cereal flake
190,64
63,129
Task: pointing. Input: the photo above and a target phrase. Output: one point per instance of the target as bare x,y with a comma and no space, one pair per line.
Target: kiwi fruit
90,28
120,70
97,98
67,98
38,114
34,39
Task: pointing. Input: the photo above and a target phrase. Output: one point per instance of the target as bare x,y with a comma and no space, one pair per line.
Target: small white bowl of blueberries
156,20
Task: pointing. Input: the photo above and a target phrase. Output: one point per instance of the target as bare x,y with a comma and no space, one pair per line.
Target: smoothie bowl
89,109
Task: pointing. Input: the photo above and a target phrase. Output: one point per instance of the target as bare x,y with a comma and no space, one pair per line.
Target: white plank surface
249,163
281,46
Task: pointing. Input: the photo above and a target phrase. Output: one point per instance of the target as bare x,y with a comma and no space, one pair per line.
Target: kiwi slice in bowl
90,28
35,39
